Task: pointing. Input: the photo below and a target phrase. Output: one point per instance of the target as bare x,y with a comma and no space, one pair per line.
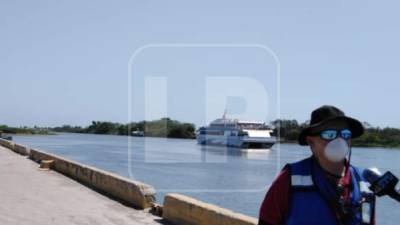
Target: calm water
229,178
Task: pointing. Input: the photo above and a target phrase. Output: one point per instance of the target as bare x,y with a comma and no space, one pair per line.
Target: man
324,189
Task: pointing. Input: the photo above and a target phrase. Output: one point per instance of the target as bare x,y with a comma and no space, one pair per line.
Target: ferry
236,133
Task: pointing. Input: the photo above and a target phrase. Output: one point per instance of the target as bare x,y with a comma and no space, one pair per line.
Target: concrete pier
43,195
30,195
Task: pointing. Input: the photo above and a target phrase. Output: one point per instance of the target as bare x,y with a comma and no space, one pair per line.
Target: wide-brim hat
324,114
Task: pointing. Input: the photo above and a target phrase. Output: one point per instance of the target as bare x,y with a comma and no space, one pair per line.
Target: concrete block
7,144
183,210
46,164
21,149
135,193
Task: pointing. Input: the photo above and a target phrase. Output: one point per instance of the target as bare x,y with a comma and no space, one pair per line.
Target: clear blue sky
66,62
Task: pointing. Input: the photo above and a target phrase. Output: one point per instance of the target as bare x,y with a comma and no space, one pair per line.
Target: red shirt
275,206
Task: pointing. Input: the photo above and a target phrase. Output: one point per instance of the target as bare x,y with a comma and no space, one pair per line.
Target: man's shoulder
281,182
301,166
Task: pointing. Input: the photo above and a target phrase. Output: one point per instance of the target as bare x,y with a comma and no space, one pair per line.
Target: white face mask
337,150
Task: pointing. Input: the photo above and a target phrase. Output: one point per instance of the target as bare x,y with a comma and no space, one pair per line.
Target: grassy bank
24,130
387,137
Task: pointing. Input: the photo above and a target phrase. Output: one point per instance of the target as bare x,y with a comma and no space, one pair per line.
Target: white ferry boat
236,133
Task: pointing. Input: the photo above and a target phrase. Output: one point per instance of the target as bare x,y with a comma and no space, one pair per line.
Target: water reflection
247,153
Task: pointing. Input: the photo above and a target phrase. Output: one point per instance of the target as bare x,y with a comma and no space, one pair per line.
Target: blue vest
311,197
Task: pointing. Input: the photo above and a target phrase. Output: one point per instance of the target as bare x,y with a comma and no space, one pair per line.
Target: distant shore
387,137
6,130
167,128
164,127
354,144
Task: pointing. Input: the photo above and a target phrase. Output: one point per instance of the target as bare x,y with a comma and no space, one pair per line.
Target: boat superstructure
236,133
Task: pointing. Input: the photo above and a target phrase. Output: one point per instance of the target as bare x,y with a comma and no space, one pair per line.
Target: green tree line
373,136
164,127
23,130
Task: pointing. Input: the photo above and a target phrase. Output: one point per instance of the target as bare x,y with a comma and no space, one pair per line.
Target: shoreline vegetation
164,127
168,128
25,130
387,137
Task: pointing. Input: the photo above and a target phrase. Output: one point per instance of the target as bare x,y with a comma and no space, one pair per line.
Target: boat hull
235,141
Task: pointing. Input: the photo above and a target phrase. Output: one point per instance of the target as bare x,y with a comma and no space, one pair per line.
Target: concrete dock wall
183,210
7,144
134,193
20,149
178,209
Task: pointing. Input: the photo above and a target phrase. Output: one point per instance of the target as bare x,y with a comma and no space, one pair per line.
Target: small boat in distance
236,133
5,136
138,133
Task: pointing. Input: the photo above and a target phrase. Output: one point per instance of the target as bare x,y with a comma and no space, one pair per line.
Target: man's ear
310,142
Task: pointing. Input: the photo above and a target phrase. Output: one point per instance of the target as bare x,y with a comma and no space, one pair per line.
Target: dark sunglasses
331,134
